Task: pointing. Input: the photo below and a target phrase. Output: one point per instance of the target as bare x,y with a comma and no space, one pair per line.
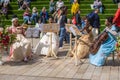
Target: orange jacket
116,19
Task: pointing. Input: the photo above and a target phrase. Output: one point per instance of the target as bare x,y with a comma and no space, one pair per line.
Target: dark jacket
96,22
63,21
78,19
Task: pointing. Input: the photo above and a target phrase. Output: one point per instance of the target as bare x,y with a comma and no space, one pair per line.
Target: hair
64,10
51,17
34,9
110,19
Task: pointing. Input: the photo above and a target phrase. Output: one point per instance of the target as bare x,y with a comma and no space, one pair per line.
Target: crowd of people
89,26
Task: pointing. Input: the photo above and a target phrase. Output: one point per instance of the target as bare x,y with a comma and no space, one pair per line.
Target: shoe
25,59
60,47
20,9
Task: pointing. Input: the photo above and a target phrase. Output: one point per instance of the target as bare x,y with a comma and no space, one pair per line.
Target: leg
62,36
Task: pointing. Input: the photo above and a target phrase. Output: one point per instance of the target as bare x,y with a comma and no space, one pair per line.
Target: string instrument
98,41
22,28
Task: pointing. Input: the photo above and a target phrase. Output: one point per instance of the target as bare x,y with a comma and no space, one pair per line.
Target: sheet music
53,27
73,29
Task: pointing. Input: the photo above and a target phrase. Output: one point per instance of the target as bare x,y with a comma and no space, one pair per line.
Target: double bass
98,41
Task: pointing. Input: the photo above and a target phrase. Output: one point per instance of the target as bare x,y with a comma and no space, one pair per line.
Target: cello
98,41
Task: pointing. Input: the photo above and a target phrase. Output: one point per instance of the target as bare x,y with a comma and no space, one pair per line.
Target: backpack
91,17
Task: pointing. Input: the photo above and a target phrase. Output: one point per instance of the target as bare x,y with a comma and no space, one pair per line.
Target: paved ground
41,68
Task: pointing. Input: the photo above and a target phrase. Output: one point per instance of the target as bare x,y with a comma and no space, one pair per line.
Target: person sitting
20,3
6,2
34,16
20,50
98,5
44,15
52,6
108,44
26,5
26,17
4,11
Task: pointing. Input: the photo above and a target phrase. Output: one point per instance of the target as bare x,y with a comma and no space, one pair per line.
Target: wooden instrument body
97,42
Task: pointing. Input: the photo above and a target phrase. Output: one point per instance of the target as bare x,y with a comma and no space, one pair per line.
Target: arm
65,19
113,32
96,22
116,15
46,16
78,19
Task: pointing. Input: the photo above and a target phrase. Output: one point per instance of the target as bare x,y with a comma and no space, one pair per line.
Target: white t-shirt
59,4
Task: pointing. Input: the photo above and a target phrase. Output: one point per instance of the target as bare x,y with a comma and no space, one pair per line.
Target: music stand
51,27
70,49
75,31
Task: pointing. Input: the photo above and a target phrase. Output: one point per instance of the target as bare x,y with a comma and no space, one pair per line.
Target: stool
113,56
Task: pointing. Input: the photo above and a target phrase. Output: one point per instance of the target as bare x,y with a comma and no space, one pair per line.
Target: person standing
116,19
44,15
51,6
78,19
95,21
63,21
75,7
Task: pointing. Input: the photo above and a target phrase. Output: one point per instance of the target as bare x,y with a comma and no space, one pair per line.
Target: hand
107,29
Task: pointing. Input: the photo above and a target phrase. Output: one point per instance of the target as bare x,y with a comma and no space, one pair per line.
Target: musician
85,40
107,46
21,48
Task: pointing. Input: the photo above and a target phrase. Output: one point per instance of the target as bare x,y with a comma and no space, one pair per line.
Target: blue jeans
34,17
67,37
100,8
62,36
26,19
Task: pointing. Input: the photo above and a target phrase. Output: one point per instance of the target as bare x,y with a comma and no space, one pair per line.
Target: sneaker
25,59
20,9
60,47
29,22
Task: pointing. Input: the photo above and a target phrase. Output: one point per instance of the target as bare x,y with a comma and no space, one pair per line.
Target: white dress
20,49
44,44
